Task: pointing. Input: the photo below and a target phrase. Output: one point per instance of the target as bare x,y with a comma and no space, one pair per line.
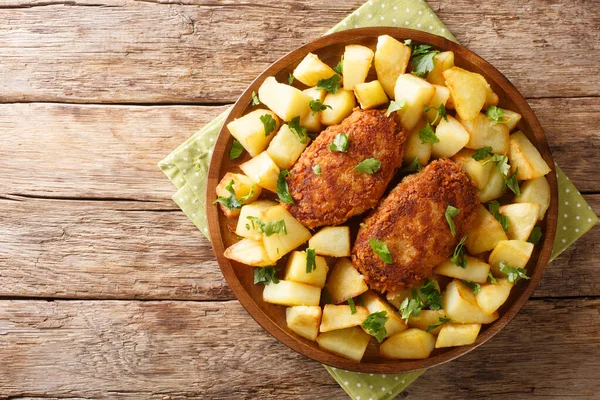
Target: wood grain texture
192,51
169,350
140,250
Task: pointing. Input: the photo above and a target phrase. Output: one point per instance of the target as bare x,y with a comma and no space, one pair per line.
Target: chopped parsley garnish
255,99
442,321
368,166
290,79
501,163
395,106
375,325
236,150
318,106
283,191
514,274
535,236
427,135
474,286
317,170
230,202
432,295
440,113
332,85
381,249
451,212
491,278
340,143
482,153
494,207
421,59
268,228
265,275
300,131
269,123
311,262
352,305
459,257
339,68
411,306
495,114
512,183
414,166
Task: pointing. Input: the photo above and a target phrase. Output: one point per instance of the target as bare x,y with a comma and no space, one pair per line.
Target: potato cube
356,65
296,270
262,170
370,94
485,132
485,232
340,317
341,104
374,303
511,119
515,253
477,170
491,297
279,244
332,241
494,188
304,320
536,191
312,121
350,342
391,60
287,293
344,282
411,344
417,93
461,306
249,252
526,157
522,217
441,62
491,98
476,270
284,100
245,191
426,319
452,137
286,147
244,228
311,70
467,90
415,148
440,97
457,335
250,131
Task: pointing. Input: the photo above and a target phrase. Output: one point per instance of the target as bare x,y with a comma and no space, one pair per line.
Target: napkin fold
187,168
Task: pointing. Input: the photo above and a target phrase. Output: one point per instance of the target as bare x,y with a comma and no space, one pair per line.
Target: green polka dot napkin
187,168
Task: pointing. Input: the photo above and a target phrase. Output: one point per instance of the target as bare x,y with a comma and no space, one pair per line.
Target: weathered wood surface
168,350
197,51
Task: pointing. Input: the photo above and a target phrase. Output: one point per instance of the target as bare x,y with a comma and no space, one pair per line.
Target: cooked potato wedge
476,270
250,252
457,335
284,100
245,190
426,319
524,156
262,170
340,316
370,94
311,70
312,120
350,342
249,130
287,293
374,303
485,232
391,60
460,305
342,103
494,188
332,241
515,253
477,170
511,119
286,147
441,62
522,217
304,320
452,137
415,148
411,344
417,93
296,270
485,132
279,244
356,65
244,228
536,191
491,297
345,282
441,96
467,90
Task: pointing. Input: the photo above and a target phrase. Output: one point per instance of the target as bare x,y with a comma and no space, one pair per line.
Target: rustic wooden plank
167,350
138,250
112,151
128,51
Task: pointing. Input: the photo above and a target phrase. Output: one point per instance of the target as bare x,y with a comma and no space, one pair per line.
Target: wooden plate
240,277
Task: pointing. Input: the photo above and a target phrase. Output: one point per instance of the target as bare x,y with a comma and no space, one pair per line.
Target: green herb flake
269,123
491,278
265,275
414,166
459,257
421,60
535,236
440,113
311,262
255,99
368,166
474,286
494,208
381,249
513,184
300,131
268,228
317,170
236,150
427,134
433,297
283,191
375,325
442,321
395,106
290,79
411,306
496,114
340,143
317,106
332,85
482,153
514,274
339,68
451,212
352,305
230,202
501,163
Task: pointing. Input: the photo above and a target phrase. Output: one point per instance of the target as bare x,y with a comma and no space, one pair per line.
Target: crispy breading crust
340,192
411,221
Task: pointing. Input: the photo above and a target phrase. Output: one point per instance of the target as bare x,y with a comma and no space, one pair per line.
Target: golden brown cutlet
411,221
340,192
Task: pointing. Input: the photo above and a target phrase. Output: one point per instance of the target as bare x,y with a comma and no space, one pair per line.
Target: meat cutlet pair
410,220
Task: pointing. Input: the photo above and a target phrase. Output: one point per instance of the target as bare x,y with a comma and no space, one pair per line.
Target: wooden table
107,290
